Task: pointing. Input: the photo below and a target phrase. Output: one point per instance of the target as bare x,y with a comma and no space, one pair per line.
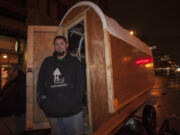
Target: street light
131,32
5,56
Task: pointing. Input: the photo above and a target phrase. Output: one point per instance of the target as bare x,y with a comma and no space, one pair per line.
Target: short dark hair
60,37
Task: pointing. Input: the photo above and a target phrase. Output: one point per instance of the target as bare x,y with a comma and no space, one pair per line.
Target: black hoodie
60,86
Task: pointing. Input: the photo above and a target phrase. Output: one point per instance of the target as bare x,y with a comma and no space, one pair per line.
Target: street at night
165,97
95,67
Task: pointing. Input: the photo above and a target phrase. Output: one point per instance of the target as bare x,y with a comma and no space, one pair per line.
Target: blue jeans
72,125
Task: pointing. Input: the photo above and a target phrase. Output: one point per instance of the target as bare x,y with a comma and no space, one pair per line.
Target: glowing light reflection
155,93
149,65
144,61
5,56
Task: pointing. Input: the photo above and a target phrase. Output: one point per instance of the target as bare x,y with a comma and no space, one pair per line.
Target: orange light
5,56
125,59
149,65
154,93
116,103
131,32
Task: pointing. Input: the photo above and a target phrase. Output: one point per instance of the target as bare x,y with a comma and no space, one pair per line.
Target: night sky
155,22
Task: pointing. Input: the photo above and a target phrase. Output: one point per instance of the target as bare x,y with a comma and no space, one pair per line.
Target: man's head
61,46
13,71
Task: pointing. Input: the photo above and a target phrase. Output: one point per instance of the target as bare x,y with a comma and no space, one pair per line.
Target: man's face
60,47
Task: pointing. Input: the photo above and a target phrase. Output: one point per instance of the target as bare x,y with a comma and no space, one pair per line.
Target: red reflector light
144,61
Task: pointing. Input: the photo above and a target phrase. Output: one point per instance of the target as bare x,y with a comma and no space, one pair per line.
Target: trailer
118,67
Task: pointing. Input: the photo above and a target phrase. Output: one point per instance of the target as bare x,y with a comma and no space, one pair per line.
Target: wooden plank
29,79
119,117
40,40
109,70
49,29
97,68
79,16
76,12
88,75
71,21
130,80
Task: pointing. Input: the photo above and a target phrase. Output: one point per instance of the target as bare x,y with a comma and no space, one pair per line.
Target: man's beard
60,53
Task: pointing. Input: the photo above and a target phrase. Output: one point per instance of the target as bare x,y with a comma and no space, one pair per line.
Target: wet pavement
165,97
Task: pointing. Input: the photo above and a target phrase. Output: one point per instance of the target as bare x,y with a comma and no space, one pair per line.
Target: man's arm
80,84
41,92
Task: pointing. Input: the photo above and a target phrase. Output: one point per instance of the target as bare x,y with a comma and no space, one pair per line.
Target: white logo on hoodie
56,75
58,79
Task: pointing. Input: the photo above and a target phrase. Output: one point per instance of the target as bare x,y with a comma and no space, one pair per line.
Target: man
13,102
60,90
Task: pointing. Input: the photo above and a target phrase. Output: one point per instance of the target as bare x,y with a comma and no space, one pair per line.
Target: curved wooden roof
112,27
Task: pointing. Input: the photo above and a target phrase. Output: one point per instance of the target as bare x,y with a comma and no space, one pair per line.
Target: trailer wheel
149,119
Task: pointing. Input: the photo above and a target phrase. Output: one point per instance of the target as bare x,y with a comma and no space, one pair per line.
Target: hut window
76,40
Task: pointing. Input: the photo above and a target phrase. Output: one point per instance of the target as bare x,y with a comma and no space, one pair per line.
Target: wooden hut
119,66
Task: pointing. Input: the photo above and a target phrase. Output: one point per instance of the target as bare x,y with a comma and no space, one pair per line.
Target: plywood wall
43,47
130,79
97,68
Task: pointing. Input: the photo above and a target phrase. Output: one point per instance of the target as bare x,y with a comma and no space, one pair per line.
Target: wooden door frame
30,74
65,27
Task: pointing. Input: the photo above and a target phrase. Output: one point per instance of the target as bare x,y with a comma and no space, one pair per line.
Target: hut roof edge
112,26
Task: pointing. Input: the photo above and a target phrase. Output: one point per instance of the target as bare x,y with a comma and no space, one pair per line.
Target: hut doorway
76,39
